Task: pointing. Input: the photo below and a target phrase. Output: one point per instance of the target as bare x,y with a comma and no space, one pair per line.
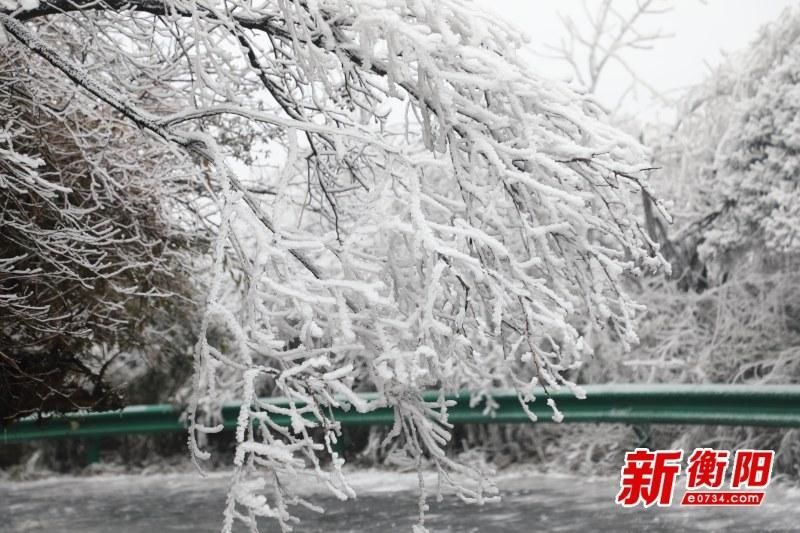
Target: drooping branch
160,127
460,201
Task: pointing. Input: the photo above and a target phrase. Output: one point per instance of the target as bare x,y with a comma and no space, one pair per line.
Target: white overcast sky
702,32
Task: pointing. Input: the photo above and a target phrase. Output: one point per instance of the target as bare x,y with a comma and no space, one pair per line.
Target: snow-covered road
386,502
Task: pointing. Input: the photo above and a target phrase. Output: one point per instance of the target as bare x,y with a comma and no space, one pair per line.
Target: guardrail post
93,450
643,435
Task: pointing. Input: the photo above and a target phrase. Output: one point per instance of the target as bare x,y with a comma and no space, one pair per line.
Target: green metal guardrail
631,404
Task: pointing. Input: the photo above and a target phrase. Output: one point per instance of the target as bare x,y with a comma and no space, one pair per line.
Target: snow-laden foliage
88,256
440,217
729,161
730,314
758,166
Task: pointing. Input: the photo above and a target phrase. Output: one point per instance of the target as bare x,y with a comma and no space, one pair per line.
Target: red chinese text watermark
648,477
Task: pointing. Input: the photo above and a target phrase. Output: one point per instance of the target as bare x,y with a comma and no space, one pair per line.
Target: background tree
603,38
732,156
728,314
91,259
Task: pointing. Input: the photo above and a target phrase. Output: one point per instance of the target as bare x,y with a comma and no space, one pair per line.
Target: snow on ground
386,502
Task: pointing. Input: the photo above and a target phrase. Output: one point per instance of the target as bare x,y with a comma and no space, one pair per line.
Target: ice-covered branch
441,216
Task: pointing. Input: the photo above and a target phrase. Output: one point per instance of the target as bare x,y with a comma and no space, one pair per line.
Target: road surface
386,502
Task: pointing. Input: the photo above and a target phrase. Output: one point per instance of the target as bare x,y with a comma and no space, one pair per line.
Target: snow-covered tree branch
437,215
